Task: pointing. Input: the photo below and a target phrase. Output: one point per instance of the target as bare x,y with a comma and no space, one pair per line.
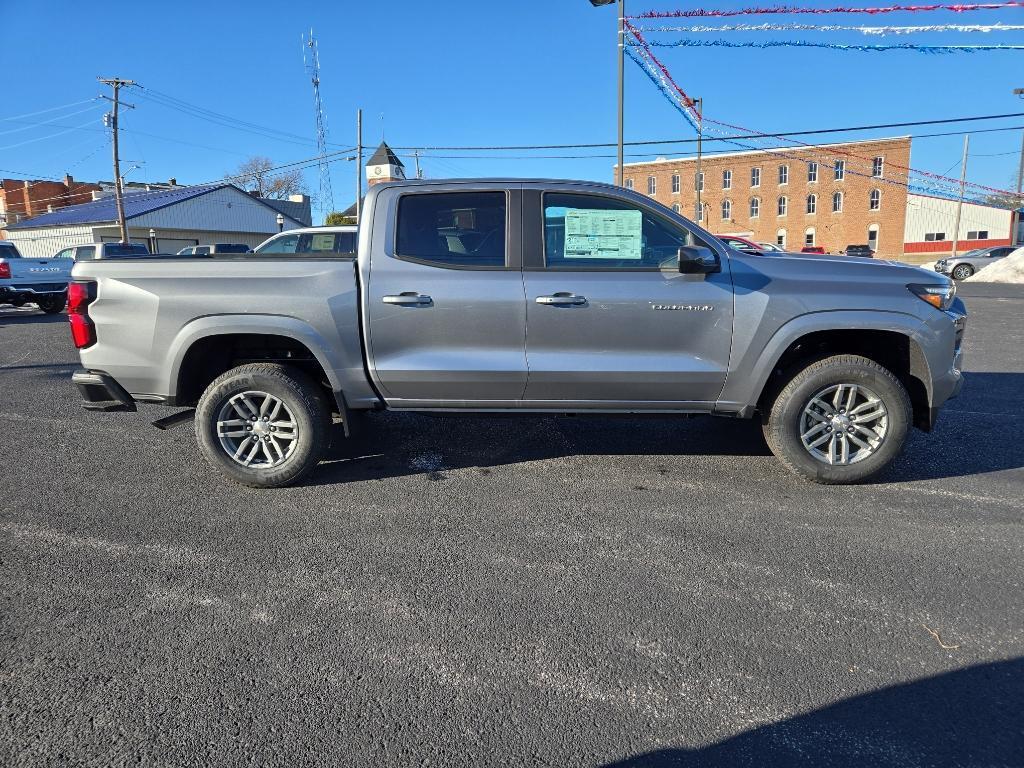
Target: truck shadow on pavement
26,317
967,717
966,440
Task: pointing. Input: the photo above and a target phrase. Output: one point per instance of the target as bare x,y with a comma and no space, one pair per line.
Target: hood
839,267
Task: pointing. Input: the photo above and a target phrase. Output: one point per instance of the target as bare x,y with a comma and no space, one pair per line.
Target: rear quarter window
453,229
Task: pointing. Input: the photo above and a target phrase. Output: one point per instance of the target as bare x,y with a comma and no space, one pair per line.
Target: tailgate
33,271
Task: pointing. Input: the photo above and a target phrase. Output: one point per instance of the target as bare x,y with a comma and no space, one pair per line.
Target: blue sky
463,72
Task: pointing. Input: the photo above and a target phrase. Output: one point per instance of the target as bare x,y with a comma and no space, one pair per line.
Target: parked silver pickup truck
43,282
522,296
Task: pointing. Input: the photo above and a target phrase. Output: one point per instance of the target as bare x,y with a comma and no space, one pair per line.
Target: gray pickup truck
549,297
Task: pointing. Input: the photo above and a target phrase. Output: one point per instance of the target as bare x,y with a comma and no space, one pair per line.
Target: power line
51,109
724,138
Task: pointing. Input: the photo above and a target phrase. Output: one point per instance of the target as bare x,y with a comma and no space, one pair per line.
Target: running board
174,419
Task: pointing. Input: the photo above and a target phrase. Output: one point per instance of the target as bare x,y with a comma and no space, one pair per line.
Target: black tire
51,305
299,393
783,423
962,271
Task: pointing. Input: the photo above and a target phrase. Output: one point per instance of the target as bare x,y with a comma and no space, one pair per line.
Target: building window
755,207
840,169
675,207
675,183
755,177
629,183
783,205
812,203
698,182
932,237
726,210
726,179
981,234
837,202
780,238
812,172
877,167
875,199
652,185
783,174
873,237
809,236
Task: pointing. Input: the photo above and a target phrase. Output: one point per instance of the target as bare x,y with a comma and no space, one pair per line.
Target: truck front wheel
839,420
263,425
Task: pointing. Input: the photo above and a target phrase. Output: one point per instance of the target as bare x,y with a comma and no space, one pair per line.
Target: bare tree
257,175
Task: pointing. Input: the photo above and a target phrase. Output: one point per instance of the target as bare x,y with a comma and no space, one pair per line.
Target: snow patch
1006,270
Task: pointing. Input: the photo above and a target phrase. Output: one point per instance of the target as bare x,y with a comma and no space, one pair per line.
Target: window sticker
323,242
603,234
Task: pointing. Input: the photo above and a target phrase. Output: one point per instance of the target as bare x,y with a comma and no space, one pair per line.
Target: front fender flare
752,367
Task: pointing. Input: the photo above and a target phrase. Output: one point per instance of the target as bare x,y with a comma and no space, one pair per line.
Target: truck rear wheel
839,420
263,425
51,305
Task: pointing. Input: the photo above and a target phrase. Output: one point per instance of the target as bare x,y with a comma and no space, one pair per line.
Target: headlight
939,295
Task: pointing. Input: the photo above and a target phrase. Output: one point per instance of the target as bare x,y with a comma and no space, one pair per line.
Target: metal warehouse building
174,219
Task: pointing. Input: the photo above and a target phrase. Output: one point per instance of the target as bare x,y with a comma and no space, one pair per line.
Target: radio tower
311,59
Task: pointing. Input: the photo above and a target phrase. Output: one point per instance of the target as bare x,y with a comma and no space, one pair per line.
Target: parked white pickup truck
42,281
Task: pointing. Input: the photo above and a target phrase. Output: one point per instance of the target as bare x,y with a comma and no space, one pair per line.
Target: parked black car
860,250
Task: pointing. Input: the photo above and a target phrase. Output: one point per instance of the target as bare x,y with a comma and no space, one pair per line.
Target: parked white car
340,239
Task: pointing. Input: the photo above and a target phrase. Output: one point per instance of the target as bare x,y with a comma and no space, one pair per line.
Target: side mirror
698,260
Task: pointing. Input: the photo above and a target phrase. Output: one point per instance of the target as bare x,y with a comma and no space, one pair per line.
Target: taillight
5,271
80,295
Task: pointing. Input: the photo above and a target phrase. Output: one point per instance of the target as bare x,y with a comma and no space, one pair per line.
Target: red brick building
23,198
830,195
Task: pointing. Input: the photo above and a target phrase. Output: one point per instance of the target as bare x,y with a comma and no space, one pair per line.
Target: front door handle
409,299
562,299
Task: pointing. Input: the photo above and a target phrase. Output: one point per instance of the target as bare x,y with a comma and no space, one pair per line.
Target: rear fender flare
226,325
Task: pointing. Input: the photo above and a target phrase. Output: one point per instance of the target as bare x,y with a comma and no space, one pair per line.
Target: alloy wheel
843,424
257,430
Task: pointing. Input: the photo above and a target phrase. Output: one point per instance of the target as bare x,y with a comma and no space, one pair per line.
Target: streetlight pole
620,171
622,88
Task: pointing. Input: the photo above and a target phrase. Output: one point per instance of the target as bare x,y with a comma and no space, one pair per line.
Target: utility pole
700,131
1019,202
117,83
359,162
419,172
960,203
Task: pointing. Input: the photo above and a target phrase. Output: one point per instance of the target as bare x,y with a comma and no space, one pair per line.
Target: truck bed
150,312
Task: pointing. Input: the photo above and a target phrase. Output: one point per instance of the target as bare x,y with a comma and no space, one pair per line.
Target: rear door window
202,250
453,229
86,252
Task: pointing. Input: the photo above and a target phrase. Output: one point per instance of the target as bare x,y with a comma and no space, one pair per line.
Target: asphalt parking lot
510,591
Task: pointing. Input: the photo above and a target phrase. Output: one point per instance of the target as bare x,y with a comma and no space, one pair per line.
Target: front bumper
100,392
943,269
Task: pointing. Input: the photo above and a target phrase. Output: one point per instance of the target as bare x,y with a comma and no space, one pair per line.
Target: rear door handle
562,299
409,299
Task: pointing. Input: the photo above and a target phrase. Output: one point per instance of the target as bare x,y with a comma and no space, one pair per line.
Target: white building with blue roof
178,217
